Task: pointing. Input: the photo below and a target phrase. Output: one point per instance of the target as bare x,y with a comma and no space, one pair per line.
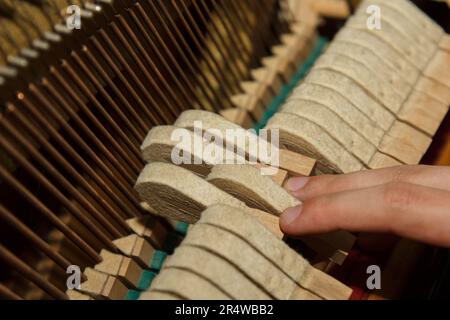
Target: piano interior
93,91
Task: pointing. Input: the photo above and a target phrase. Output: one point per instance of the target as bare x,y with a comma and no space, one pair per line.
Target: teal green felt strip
132,295
157,260
144,283
278,101
181,227
145,280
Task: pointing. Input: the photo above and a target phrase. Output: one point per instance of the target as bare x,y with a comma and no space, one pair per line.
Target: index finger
310,187
407,210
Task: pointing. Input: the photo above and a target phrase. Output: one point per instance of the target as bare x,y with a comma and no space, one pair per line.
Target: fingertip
289,217
295,184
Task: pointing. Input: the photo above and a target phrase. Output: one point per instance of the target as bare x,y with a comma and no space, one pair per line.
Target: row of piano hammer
183,194
374,99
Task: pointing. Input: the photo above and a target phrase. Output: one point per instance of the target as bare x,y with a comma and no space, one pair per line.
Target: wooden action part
76,295
102,285
124,268
250,102
239,116
138,249
150,229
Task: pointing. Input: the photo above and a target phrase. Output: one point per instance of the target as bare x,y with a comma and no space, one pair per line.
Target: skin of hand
409,201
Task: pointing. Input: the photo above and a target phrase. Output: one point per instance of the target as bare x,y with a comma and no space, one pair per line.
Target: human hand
409,201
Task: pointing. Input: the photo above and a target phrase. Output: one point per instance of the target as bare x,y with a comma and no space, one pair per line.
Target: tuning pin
107,7
112,7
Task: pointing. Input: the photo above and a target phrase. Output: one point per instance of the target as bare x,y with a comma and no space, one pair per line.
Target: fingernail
295,184
291,214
